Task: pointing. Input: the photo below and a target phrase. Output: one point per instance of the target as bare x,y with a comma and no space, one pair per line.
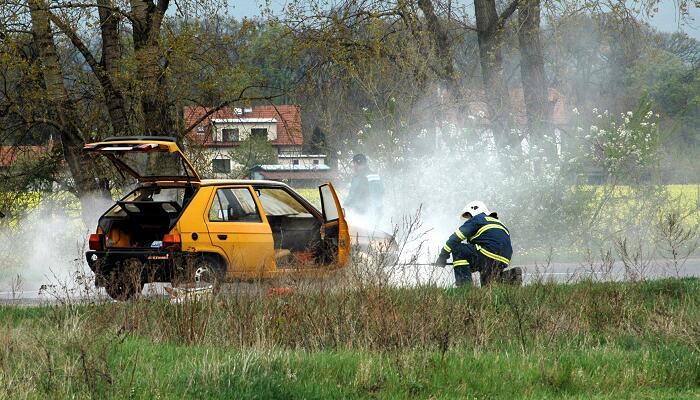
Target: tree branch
500,23
77,42
90,5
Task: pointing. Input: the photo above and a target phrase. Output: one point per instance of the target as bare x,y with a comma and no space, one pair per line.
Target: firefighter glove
441,261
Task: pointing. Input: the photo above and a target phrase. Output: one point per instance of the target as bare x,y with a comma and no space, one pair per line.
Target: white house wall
302,160
244,129
223,153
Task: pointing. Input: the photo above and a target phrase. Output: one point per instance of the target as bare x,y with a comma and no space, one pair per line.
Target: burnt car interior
294,227
142,217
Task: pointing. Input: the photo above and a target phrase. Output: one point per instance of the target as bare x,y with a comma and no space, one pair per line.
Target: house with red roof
220,131
12,154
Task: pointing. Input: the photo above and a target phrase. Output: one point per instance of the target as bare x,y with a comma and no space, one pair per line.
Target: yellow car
175,226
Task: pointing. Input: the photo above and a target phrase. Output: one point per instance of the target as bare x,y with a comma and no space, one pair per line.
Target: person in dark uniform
366,190
481,244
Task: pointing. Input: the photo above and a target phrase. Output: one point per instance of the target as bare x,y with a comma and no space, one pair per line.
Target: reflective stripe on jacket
490,237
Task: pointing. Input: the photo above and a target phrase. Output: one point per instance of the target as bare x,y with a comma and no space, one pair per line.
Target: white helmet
474,208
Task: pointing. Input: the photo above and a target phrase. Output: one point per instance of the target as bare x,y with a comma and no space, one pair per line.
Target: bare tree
489,25
105,69
532,72
443,46
158,112
61,111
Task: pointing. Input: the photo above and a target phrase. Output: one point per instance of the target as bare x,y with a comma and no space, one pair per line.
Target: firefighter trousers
467,259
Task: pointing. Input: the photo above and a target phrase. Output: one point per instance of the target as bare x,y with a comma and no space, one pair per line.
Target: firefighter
366,190
481,244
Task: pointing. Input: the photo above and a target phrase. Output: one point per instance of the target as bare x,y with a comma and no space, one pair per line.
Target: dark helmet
359,159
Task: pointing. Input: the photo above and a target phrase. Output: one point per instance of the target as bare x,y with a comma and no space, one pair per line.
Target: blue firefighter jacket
365,194
490,237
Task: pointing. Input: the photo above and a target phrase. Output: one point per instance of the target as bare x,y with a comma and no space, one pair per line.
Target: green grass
149,370
17,315
589,340
312,195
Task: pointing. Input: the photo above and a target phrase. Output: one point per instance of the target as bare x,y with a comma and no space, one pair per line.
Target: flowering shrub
627,148
531,185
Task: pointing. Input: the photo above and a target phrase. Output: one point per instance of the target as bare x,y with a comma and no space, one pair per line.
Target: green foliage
252,151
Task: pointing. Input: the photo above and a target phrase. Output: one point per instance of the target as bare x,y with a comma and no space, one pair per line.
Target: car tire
202,270
126,283
123,289
209,271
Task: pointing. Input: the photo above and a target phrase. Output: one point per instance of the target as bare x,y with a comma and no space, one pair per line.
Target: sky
666,20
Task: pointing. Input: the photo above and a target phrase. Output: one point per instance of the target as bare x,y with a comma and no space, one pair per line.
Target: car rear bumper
154,265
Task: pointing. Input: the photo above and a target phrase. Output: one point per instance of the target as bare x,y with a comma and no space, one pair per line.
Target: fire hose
431,265
449,264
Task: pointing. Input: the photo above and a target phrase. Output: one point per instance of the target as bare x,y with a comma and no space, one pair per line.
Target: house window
200,130
230,135
221,166
315,162
295,162
259,133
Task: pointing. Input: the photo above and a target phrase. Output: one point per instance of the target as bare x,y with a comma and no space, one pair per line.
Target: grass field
590,340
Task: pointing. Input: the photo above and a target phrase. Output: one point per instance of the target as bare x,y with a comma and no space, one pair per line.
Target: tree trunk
495,86
86,186
158,114
443,46
110,62
532,70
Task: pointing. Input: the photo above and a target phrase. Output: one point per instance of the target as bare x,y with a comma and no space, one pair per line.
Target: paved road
403,276
562,272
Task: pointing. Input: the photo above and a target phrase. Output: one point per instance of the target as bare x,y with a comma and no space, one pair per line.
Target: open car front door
334,231
147,158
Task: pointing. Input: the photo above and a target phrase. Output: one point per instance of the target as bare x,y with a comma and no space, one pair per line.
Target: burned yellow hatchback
177,227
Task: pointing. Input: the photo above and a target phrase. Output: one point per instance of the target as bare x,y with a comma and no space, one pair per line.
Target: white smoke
43,250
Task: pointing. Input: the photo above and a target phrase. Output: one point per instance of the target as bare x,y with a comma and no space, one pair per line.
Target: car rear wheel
122,291
127,282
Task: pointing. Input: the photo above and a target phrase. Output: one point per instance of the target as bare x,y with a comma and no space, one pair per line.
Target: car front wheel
202,271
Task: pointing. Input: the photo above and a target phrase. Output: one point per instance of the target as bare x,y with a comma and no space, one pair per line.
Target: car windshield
155,164
279,202
155,194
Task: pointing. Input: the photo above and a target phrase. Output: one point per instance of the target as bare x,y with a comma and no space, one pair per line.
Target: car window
279,202
330,211
150,164
151,193
234,205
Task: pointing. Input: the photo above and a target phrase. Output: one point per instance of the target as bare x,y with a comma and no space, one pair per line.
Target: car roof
221,182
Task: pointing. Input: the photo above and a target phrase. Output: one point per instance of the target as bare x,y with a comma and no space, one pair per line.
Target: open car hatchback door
147,158
334,231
